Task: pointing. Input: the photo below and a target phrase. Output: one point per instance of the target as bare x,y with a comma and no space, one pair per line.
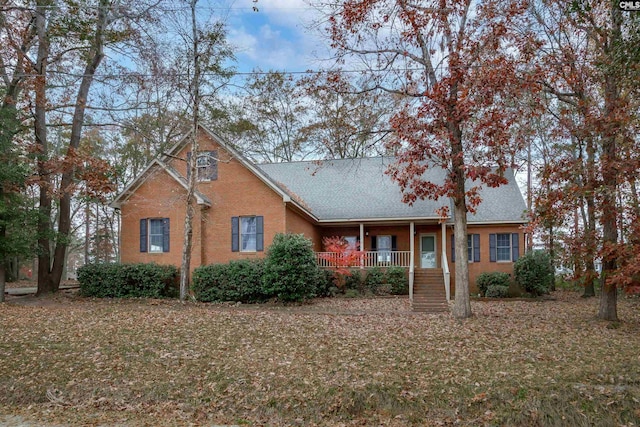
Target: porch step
429,295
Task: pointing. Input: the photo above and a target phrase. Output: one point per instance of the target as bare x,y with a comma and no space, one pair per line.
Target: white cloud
244,43
282,41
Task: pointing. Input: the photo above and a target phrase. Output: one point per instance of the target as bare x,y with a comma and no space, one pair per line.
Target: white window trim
384,254
498,247
203,155
150,234
255,235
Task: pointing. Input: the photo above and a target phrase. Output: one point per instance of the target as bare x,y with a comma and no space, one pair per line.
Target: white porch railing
447,275
365,259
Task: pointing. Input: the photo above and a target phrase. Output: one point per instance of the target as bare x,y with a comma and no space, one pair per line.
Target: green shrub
326,286
239,280
485,280
354,281
290,270
497,291
396,278
534,272
128,280
374,280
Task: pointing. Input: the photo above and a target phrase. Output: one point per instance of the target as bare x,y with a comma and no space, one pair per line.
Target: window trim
473,243
201,170
498,247
236,233
145,235
255,234
384,254
150,245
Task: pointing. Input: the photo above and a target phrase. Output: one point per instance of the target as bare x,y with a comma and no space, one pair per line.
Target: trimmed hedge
374,280
290,269
486,280
497,291
143,280
534,272
396,278
354,281
236,281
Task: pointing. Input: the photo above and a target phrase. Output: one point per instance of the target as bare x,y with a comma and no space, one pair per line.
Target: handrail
447,275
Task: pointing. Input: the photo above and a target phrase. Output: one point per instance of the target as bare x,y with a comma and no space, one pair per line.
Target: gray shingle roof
349,189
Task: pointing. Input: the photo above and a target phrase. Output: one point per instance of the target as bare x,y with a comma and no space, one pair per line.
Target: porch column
361,248
412,249
444,243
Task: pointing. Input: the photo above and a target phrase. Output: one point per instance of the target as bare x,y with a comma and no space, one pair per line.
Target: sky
276,37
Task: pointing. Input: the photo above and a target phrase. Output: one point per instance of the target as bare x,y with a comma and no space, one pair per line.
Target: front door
427,251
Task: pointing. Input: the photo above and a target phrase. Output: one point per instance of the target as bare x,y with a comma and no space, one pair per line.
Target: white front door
427,251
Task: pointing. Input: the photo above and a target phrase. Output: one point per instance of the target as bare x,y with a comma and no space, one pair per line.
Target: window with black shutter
154,235
247,234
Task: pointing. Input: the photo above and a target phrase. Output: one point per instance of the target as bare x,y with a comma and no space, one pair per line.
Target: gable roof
359,189
348,190
201,199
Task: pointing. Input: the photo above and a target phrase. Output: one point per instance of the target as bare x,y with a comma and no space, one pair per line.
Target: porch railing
447,275
365,259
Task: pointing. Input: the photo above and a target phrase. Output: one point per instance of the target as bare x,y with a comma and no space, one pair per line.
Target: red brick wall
236,192
297,224
485,265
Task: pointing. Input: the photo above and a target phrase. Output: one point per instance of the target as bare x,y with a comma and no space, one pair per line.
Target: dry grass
74,361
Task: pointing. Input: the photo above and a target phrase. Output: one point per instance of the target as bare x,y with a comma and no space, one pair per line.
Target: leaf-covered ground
73,361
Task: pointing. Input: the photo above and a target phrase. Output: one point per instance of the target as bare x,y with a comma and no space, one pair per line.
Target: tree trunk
49,277
187,246
462,306
609,296
45,284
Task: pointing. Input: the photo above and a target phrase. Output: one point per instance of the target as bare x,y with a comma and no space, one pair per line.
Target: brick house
241,206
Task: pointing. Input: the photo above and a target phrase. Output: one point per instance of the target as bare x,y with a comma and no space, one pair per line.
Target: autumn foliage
341,256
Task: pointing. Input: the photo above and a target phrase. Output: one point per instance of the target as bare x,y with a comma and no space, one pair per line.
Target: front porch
386,246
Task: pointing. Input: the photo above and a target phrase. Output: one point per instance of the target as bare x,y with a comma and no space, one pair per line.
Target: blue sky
275,37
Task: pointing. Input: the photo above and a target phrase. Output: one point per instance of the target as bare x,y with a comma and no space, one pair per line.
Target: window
504,247
247,233
206,165
384,248
352,242
473,248
203,163
154,235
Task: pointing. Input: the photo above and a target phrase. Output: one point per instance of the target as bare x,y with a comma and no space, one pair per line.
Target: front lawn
75,361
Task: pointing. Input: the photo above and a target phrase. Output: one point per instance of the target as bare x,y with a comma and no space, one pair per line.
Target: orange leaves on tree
341,256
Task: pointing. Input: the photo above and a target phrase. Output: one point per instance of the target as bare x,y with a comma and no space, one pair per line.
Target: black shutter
374,243
394,243
493,251
188,165
515,247
235,234
453,247
476,248
143,235
212,169
165,235
259,233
